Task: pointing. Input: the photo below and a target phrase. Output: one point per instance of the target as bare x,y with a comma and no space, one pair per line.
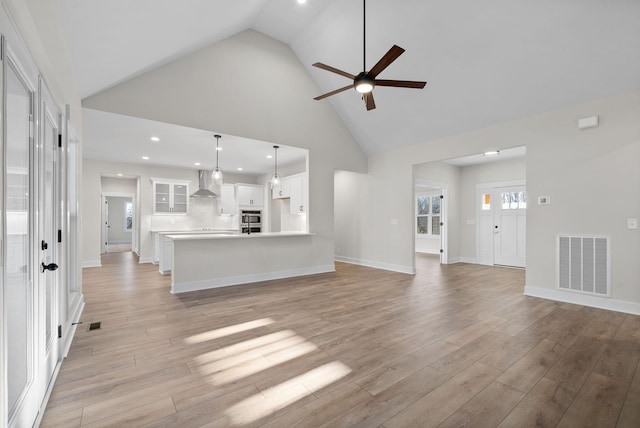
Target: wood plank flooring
455,345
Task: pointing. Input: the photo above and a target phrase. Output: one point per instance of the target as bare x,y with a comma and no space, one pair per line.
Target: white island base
206,261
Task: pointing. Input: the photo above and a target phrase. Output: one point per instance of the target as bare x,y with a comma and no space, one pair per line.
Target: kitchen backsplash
201,215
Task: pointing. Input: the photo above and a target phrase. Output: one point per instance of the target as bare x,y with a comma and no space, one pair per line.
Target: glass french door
48,226
20,299
31,220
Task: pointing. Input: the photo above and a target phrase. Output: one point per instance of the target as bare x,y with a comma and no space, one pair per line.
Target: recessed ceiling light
156,139
492,153
119,174
240,169
269,156
145,157
196,163
302,1
218,148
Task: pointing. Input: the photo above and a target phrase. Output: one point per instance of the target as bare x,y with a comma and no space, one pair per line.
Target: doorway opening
430,219
117,235
483,218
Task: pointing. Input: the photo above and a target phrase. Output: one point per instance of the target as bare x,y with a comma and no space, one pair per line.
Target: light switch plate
544,200
632,223
394,221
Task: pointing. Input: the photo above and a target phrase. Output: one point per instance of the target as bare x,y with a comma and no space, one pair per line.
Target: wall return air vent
584,264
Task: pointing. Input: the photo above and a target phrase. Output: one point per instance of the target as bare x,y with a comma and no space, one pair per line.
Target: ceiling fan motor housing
363,83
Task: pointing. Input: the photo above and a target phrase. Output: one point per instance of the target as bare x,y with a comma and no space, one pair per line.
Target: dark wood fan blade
337,91
368,100
334,70
387,59
401,83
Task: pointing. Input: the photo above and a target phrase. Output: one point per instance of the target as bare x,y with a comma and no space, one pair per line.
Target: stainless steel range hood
203,186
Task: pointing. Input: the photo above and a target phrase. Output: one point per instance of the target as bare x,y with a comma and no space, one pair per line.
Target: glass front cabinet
170,196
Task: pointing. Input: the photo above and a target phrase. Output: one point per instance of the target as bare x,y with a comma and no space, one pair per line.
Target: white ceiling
127,139
485,62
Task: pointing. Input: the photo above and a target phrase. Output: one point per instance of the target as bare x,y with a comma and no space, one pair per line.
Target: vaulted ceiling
485,62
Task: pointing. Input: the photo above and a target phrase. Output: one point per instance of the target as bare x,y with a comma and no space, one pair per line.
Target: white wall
217,89
581,170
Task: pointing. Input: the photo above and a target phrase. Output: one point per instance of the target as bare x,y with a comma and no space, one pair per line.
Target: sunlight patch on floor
260,364
245,346
227,331
286,393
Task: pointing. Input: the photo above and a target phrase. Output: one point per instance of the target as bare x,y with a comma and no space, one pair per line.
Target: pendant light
216,175
275,179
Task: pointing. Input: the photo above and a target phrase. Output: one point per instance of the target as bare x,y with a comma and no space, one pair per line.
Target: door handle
50,266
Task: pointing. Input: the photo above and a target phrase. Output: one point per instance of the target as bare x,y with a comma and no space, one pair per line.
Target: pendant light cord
217,151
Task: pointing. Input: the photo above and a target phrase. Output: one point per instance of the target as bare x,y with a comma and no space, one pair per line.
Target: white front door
509,226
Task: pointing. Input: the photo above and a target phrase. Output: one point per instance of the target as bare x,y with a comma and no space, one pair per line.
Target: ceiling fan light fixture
363,83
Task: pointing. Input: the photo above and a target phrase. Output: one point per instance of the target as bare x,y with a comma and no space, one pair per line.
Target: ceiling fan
365,81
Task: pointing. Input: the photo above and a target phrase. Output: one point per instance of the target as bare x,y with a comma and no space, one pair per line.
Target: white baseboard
246,279
91,263
471,260
148,259
67,337
378,265
583,299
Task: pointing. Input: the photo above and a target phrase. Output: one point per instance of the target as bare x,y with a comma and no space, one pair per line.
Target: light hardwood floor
455,345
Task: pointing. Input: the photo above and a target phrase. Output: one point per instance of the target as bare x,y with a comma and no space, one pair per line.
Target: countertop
195,231
196,236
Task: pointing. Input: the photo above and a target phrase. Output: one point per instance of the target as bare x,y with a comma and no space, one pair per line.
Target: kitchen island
202,261
163,247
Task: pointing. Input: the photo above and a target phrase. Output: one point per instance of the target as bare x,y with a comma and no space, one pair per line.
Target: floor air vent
583,264
94,325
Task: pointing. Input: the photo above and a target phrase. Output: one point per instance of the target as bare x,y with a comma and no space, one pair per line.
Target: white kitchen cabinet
156,247
297,194
227,203
166,255
282,190
170,196
250,195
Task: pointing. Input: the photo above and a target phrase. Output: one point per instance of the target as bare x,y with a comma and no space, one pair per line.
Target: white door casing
105,224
